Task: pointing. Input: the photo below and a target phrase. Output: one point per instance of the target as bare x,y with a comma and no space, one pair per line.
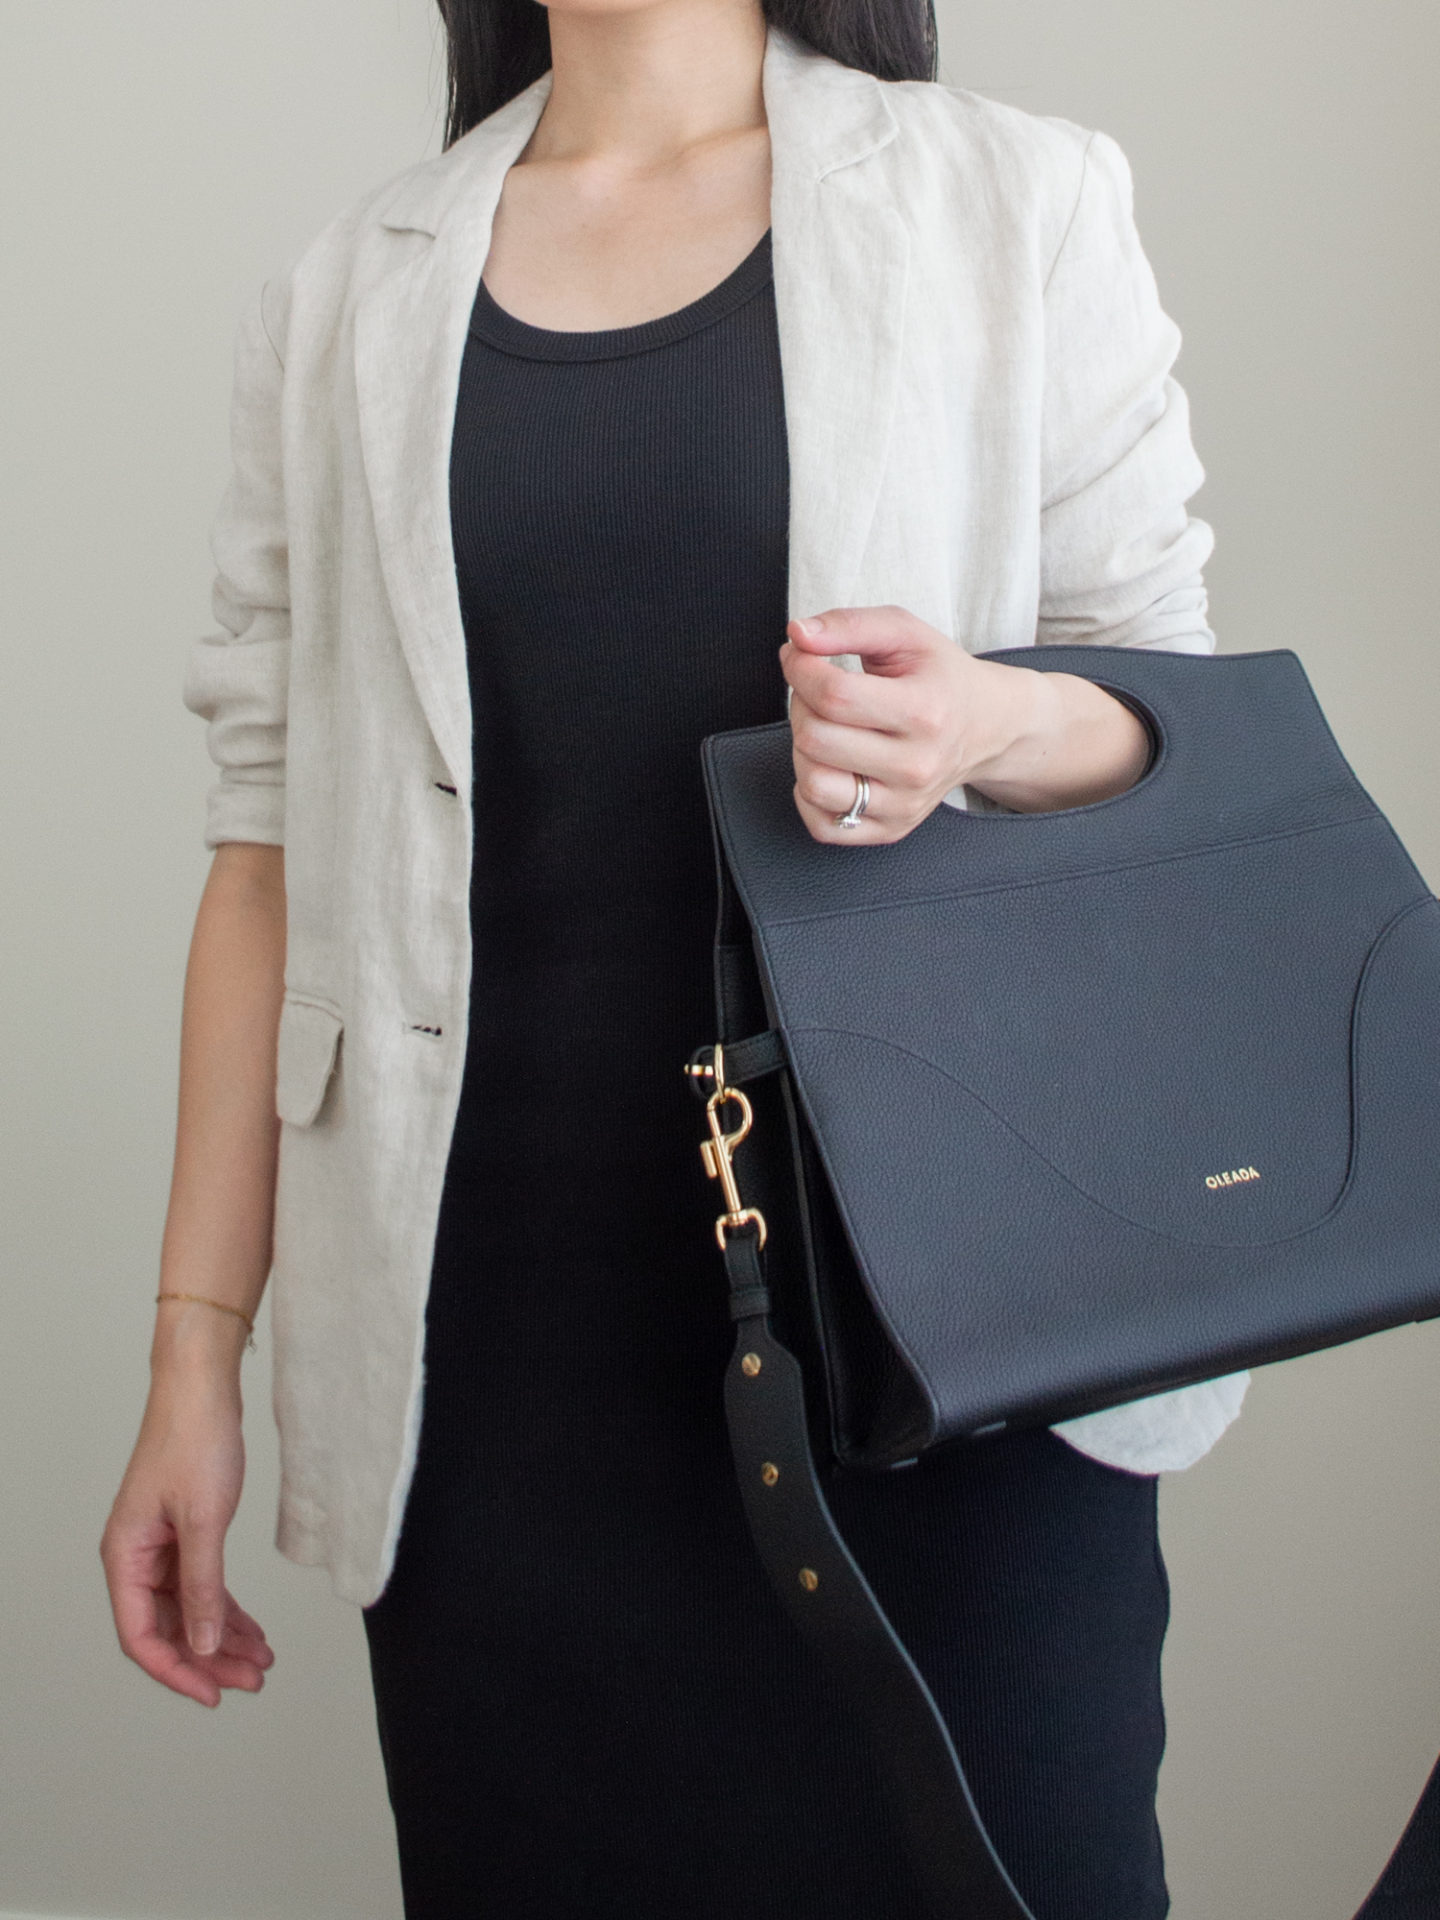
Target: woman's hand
163,1548
926,716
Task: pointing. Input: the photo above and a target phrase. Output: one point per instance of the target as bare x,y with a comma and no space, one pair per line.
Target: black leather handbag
1047,1112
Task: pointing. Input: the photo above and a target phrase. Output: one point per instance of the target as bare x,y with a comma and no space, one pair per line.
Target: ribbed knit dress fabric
591,1706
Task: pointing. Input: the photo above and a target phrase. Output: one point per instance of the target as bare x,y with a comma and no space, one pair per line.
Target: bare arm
163,1547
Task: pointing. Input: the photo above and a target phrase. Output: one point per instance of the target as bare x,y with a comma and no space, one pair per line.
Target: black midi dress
591,1707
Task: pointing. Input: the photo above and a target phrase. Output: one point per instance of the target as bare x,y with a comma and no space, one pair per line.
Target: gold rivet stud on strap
750,1363
809,1579
769,1473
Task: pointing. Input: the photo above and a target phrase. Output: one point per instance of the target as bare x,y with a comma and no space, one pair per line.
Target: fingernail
205,1638
810,627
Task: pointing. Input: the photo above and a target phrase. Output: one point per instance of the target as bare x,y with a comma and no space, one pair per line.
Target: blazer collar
826,116
839,248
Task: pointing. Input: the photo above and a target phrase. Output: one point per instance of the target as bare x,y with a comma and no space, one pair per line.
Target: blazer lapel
841,260
840,254
410,335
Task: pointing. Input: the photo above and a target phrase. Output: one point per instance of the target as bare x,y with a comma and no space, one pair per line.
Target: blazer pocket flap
306,1049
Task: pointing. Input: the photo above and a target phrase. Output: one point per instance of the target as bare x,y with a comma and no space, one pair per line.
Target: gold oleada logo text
1236,1177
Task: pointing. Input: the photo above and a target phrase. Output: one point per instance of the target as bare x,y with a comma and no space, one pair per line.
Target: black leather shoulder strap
832,1602
836,1610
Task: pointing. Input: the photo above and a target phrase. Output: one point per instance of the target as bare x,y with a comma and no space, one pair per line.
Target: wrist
1066,743
195,1341
1027,717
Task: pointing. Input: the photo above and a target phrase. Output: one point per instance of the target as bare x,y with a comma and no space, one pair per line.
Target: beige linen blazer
982,428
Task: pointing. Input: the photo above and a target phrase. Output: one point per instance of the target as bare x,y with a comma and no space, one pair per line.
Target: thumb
201,1538
829,632
885,640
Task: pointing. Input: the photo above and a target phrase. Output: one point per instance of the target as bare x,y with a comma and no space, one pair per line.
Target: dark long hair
497,47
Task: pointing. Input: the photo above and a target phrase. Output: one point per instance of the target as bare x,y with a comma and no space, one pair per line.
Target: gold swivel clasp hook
718,1151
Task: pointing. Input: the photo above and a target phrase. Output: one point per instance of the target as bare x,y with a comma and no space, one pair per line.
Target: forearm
217,1237
1062,742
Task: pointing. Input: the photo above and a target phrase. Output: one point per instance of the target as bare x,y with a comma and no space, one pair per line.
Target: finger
829,795
143,1638
174,1667
139,1574
823,825
239,1622
147,1621
899,761
833,791
165,1655
887,639
167,1660
231,1670
845,699
240,1661
245,1646
200,1544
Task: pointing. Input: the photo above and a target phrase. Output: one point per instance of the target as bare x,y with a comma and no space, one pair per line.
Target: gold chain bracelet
199,1300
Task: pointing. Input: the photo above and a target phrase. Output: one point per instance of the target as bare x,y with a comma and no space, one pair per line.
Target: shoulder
392,220
367,239
954,122
1032,169
339,262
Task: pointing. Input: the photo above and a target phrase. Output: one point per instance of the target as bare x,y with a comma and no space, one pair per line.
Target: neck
644,86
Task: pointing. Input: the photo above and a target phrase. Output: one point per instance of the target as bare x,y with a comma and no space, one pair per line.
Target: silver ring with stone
857,805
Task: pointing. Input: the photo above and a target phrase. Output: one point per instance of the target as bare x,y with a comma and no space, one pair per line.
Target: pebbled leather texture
1080,1106
1118,1097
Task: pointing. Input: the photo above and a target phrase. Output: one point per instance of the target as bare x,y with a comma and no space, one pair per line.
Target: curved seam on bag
1357,1008
1157,1233
919,1373
1357,1013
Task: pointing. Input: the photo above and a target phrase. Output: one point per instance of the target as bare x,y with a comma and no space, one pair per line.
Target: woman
713,350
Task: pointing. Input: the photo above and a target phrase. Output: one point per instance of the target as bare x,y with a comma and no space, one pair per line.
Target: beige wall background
158,158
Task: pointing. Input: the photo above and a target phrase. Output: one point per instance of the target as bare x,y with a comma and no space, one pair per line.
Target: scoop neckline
498,327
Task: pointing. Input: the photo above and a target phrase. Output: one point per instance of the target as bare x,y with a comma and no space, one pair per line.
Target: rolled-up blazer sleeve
237,678
1121,558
